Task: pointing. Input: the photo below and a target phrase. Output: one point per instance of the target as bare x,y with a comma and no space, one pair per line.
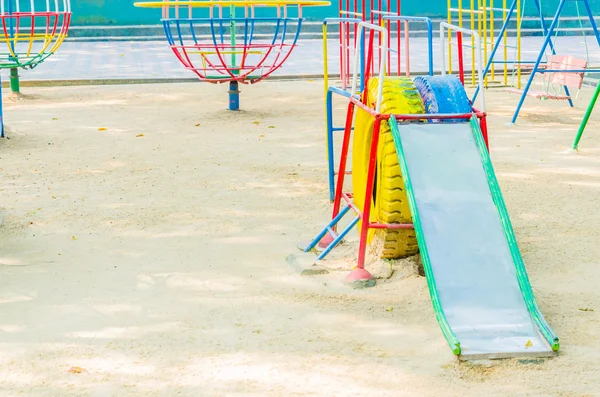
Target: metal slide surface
478,284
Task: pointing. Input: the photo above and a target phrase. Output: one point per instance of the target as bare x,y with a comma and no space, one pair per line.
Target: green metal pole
233,38
586,118
15,86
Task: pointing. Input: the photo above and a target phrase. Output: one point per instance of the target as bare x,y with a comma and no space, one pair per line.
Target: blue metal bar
177,23
539,58
221,34
330,151
569,71
193,31
339,238
591,16
234,96
509,62
543,23
323,232
168,33
496,46
429,33
342,92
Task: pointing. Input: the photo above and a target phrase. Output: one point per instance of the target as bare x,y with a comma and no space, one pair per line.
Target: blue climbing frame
346,91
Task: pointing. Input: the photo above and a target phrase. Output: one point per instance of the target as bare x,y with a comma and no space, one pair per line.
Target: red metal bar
364,10
347,55
350,202
389,33
407,49
343,159
484,131
362,248
461,66
368,65
398,67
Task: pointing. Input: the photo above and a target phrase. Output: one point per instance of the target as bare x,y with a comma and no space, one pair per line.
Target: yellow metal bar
519,43
326,88
221,3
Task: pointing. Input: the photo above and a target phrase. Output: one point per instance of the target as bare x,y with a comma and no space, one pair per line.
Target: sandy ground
155,265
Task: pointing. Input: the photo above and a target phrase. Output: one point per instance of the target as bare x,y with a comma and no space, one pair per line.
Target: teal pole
586,118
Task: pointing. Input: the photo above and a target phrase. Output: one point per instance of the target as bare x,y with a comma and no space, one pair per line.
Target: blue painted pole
330,152
592,22
234,96
338,239
495,48
429,45
327,229
539,59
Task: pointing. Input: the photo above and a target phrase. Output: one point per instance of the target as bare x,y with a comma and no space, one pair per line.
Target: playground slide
476,277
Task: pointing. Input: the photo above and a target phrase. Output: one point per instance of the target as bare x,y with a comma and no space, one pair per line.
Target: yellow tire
389,204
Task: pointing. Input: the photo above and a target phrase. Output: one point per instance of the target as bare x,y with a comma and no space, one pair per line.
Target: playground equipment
564,67
33,30
397,59
481,16
234,41
422,176
565,71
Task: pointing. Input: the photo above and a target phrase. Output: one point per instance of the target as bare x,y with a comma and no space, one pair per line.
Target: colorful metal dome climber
32,30
232,40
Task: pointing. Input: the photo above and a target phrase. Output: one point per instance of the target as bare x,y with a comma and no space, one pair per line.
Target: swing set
566,72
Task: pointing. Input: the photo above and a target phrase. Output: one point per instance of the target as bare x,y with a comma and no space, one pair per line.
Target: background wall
122,12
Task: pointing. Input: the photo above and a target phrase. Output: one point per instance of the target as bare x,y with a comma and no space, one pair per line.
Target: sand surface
155,265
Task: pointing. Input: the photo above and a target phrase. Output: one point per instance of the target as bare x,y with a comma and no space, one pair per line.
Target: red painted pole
407,49
343,159
461,66
484,131
362,248
399,66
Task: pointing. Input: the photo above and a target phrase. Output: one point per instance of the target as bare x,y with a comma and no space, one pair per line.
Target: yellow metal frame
480,16
225,3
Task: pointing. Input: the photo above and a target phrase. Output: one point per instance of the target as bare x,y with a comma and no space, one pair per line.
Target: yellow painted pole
519,43
472,43
505,80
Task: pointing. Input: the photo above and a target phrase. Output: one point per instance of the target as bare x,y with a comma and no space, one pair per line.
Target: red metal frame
360,273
